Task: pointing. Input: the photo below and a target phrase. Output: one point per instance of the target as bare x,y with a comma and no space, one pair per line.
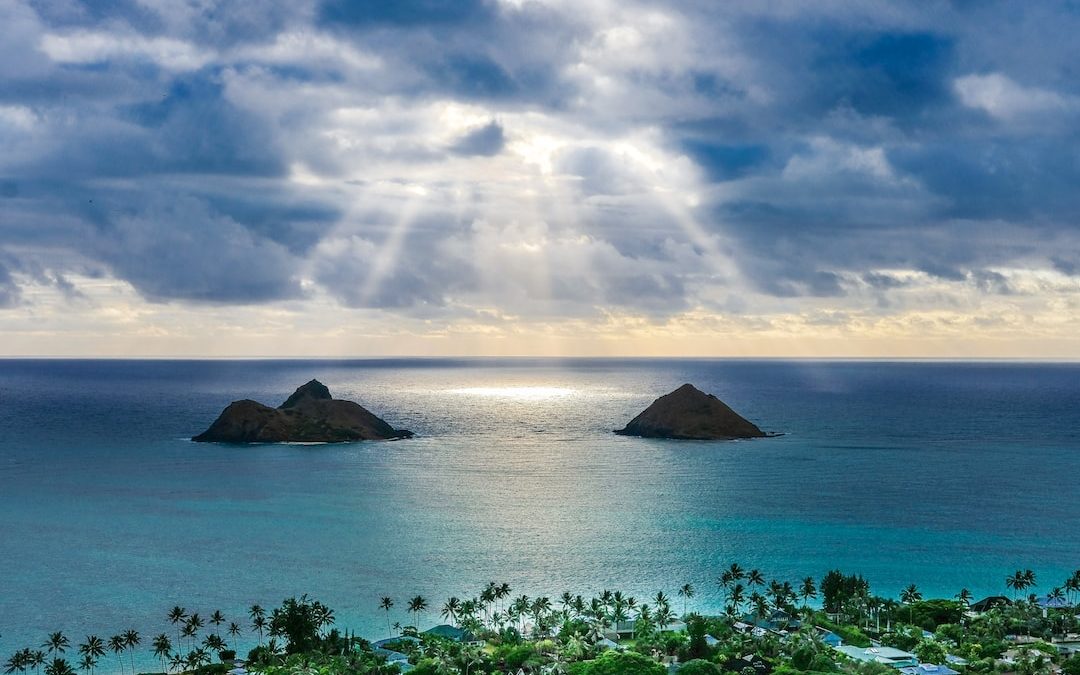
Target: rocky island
310,415
691,414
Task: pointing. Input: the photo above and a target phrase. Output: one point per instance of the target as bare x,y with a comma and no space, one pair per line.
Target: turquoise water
942,474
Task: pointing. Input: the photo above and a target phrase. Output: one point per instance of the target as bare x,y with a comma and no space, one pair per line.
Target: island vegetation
768,627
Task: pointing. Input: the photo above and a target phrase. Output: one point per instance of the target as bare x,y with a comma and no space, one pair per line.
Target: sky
539,177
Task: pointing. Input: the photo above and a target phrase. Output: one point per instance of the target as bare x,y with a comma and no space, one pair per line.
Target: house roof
1053,603
749,661
928,669
885,655
989,602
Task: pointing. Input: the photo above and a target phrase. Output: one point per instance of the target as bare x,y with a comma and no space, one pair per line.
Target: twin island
312,415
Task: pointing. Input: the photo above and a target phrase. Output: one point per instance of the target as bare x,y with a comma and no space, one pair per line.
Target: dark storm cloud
404,13
205,151
485,141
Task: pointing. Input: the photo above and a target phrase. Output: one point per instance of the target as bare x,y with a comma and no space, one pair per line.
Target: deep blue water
942,474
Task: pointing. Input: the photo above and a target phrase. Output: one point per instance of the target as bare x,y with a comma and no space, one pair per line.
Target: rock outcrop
310,415
689,413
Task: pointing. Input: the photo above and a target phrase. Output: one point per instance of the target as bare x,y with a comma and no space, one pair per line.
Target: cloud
484,141
545,160
1004,99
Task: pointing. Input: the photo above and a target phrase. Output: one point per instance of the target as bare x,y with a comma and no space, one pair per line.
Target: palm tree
417,605
807,590
1029,579
471,656
214,643
909,596
36,659
118,645
234,629
964,596
1015,582
177,661
736,572
755,578
450,610
193,626
217,618
56,644
503,591
177,615
385,604
93,648
87,663
162,648
132,640
736,598
686,592
59,667
258,619
15,662
663,616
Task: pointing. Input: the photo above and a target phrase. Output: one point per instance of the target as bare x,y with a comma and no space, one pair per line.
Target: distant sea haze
947,475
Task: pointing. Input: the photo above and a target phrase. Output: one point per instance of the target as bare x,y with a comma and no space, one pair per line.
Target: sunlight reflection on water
518,393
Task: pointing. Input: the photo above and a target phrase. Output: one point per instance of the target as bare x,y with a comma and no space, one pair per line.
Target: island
310,415
691,414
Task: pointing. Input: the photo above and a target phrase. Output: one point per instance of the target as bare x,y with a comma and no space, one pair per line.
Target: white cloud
99,46
1005,99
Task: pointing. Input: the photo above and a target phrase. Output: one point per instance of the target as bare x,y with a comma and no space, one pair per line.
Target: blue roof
1053,603
928,669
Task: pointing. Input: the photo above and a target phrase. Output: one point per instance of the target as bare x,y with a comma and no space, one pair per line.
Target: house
604,643
454,634
953,660
928,669
897,658
736,665
988,603
828,637
394,658
1049,602
711,641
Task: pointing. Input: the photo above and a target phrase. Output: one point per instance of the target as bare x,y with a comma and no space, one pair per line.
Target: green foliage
514,656
699,667
823,663
1071,666
227,654
299,621
951,632
930,651
696,628
803,656
929,614
904,637
838,588
618,663
849,634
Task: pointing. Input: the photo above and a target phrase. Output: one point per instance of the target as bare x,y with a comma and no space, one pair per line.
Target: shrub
699,667
618,663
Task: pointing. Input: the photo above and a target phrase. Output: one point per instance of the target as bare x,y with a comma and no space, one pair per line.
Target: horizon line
528,357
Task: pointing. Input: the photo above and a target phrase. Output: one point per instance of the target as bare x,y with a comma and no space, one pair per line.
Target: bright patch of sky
539,177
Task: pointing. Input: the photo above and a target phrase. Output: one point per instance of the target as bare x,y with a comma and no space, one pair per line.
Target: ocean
942,474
